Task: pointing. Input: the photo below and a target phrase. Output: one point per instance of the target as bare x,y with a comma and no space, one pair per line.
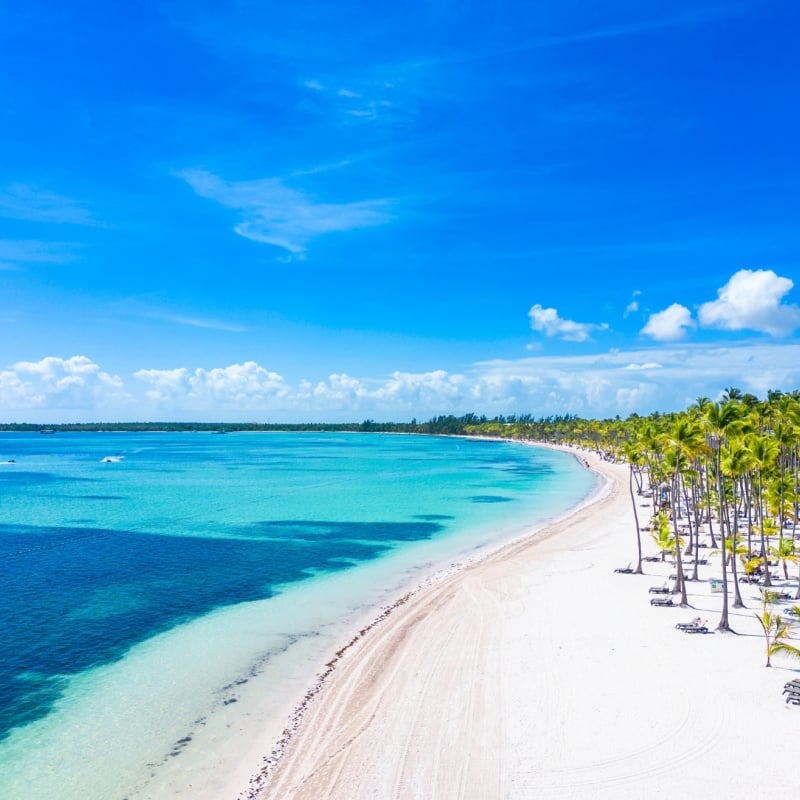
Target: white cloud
277,215
426,389
751,300
599,385
605,384
670,324
247,386
402,392
57,383
547,321
633,306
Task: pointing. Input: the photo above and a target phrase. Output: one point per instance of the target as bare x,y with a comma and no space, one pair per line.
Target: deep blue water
96,556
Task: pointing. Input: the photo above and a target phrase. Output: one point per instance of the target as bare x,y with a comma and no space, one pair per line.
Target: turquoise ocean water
155,586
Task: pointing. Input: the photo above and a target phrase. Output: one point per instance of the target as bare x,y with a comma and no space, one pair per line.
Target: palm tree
719,420
634,456
785,552
732,393
738,460
764,452
776,630
662,535
683,441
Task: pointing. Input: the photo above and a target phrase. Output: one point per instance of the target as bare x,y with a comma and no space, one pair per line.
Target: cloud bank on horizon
219,211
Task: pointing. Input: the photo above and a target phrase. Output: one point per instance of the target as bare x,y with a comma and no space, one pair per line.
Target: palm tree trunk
708,509
678,559
797,593
723,620
689,549
764,555
748,488
638,570
695,576
737,600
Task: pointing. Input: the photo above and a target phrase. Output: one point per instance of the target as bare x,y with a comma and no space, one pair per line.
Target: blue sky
257,210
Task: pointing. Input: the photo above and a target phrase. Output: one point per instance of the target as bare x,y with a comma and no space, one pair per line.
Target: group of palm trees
732,466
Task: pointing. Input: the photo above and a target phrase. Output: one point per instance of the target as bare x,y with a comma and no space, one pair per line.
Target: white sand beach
539,672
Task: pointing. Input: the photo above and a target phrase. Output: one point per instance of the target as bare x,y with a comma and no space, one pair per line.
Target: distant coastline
511,426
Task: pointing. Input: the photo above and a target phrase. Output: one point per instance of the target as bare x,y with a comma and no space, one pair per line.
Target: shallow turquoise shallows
121,553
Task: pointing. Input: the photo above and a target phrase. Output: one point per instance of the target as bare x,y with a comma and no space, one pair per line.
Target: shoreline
478,633
232,677
259,782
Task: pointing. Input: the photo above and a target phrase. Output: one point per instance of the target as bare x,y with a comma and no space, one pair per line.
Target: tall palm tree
737,462
765,453
720,419
683,441
634,456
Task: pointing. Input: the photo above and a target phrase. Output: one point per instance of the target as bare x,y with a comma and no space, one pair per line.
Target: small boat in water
46,430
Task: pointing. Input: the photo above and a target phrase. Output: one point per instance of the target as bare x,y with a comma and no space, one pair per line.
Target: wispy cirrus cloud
696,16
197,322
151,307
276,214
386,96
16,253
24,202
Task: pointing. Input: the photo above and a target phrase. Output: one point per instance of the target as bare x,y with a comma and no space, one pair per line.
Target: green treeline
513,426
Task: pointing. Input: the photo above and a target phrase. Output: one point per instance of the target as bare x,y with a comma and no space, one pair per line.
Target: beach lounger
658,590
792,686
651,558
794,699
662,601
696,622
789,611
696,629
624,570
